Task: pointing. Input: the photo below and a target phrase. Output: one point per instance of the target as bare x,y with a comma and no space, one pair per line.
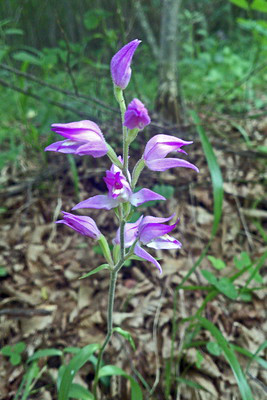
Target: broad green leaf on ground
72,368
216,262
45,353
230,356
213,348
243,260
215,172
111,370
79,392
224,285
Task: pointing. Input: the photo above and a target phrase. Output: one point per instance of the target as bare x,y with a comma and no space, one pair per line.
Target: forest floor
45,305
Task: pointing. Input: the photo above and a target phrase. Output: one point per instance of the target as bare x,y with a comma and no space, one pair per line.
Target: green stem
111,296
120,99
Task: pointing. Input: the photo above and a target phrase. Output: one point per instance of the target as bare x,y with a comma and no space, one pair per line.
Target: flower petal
130,233
161,145
165,242
84,225
166,163
153,220
100,202
82,130
143,196
64,146
149,232
146,256
94,148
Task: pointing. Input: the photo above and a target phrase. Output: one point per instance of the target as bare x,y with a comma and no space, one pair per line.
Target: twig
23,312
68,67
82,114
57,89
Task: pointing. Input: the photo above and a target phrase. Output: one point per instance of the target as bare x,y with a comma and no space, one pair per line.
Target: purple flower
121,64
83,137
119,191
84,225
136,115
149,231
159,146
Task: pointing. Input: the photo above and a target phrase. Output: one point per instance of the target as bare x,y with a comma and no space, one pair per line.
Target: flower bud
136,115
121,64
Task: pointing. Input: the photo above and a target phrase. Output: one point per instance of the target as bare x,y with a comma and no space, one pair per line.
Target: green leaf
15,359
213,348
246,297
230,357
200,358
27,57
211,278
26,383
253,357
73,350
111,370
94,271
14,31
3,272
126,335
45,353
92,18
72,368
241,3
19,347
259,5
243,260
216,262
225,286
215,172
256,269
7,350
79,392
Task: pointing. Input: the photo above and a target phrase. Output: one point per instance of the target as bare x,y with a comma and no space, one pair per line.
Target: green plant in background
14,352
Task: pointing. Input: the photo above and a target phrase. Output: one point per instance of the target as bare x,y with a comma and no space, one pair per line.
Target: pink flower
136,115
84,225
119,191
159,147
121,64
151,232
83,137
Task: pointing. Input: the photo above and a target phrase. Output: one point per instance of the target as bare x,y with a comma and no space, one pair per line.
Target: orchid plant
85,138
